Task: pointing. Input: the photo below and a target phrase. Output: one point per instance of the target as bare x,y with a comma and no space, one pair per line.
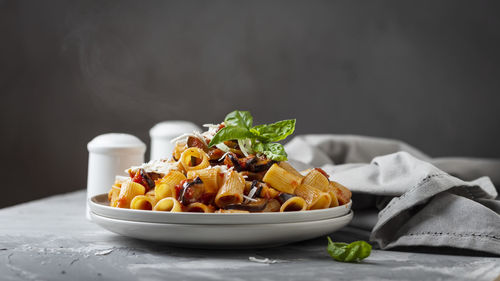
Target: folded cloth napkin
421,201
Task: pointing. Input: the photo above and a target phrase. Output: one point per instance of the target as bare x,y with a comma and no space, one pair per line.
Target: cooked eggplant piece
250,176
154,176
255,189
283,197
254,206
231,144
231,160
214,154
196,142
250,160
261,168
195,161
147,179
251,163
259,164
191,191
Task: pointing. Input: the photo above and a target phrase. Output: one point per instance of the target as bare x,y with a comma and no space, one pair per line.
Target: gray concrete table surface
50,239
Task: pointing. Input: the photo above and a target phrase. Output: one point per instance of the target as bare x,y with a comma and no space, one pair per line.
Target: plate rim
212,218
129,229
348,214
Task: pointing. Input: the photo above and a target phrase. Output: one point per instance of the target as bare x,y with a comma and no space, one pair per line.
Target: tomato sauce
323,172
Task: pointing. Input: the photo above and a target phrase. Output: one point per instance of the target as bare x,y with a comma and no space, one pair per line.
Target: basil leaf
230,133
354,252
239,119
258,147
274,132
273,151
239,127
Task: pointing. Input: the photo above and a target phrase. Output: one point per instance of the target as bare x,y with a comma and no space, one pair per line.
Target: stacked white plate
219,230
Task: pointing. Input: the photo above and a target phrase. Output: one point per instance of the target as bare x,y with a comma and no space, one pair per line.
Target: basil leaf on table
353,252
239,119
274,132
230,133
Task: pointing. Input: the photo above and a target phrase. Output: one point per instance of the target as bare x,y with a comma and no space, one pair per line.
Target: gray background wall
426,72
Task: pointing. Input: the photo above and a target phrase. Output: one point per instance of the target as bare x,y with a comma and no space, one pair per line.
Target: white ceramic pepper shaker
162,133
110,155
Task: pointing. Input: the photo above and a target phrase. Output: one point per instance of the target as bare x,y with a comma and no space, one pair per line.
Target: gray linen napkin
418,203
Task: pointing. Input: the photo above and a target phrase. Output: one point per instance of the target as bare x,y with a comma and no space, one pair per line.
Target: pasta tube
315,198
151,193
295,203
285,165
166,186
316,179
113,195
210,178
335,201
273,205
231,192
178,150
128,191
281,180
341,192
194,158
269,192
143,202
168,204
199,208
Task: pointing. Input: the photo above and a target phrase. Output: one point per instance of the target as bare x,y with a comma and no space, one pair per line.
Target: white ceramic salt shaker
110,155
162,133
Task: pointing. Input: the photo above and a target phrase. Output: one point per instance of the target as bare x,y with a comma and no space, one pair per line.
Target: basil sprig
263,138
353,252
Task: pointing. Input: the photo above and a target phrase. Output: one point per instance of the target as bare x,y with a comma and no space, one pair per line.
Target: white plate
223,235
99,205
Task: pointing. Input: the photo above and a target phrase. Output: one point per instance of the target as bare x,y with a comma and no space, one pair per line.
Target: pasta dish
233,167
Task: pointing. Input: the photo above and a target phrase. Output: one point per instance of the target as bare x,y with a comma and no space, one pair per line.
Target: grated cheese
121,179
223,147
159,166
182,137
249,199
223,156
212,130
266,260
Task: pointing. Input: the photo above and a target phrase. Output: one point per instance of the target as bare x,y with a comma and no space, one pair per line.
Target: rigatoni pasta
199,208
168,204
166,186
285,165
194,158
293,204
317,179
212,178
315,198
342,193
128,191
113,195
143,202
231,192
281,179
